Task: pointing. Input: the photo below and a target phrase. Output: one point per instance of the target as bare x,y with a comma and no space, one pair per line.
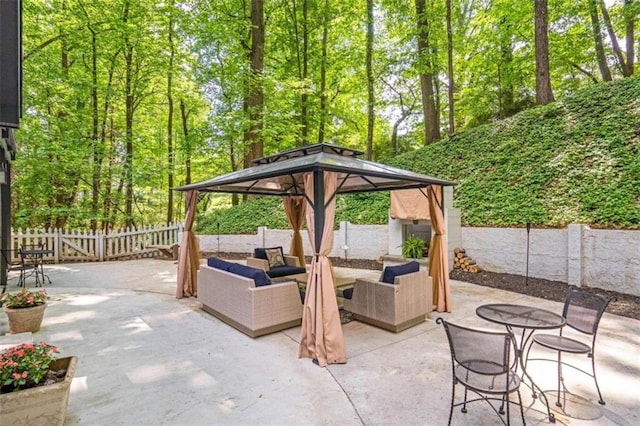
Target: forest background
126,99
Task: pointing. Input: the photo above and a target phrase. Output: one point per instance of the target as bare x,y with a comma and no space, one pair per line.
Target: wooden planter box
42,405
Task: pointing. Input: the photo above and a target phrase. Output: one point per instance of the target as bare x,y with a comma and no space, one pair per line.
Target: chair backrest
36,246
481,351
583,310
8,257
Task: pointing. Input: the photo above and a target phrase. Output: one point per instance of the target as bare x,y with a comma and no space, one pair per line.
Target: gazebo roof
282,174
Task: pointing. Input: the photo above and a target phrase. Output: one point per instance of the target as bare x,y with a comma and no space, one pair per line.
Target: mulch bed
622,304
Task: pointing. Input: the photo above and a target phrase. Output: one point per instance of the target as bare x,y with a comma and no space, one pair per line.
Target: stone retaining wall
577,255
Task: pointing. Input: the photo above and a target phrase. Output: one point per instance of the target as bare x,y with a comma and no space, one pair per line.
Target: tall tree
429,110
597,36
323,72
544,94
255,92
622,63
170,152
630,17
370,82
129,112
451,85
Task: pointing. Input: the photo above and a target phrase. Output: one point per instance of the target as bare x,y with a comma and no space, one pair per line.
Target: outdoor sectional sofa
245,298
401,299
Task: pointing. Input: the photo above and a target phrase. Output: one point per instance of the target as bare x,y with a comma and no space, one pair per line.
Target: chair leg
560,378
521,408
464,405
593,368
505,400
453,398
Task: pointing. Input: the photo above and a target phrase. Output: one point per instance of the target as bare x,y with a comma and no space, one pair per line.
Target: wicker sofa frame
255,311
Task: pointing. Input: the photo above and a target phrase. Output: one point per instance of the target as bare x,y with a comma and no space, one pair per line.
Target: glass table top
521,316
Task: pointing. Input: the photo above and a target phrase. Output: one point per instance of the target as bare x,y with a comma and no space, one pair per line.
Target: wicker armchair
291,263
394,307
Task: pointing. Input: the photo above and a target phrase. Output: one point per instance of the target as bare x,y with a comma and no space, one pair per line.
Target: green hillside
576,161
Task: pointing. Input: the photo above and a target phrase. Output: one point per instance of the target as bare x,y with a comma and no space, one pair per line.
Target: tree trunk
304,97
128,90
323,72
187,142
544,94
614,40
108,202
430,114
107,122
597,36
630,19
170,153
370,94
451,88
97,148
394,134
255,96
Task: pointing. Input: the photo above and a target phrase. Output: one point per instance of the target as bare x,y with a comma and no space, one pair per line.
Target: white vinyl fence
82,245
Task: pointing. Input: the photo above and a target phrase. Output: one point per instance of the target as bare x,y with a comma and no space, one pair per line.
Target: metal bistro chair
582,311
483,362
33,256
14,264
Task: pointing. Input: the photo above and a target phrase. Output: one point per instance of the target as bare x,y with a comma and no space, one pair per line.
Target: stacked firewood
464,262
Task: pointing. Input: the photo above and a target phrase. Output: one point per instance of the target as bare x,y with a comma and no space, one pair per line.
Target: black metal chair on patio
33,255
583,312
14,264
483,362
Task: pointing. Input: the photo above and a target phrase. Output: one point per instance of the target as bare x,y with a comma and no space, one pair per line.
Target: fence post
57,245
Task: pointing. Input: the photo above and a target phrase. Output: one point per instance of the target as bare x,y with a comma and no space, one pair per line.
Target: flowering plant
25,299
25,365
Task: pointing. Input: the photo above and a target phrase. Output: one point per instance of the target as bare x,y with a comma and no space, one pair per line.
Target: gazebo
309,178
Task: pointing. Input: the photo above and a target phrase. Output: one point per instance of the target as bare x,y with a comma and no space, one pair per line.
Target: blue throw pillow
257,275
391,272
217,263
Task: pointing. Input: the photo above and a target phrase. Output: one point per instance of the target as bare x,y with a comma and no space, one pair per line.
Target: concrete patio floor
146,358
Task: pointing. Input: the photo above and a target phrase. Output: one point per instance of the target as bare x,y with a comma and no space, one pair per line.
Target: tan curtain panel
189,261
438,258
295,207
321,337
411,204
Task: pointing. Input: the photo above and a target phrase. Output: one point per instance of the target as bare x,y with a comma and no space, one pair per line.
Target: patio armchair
275,263
401,299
